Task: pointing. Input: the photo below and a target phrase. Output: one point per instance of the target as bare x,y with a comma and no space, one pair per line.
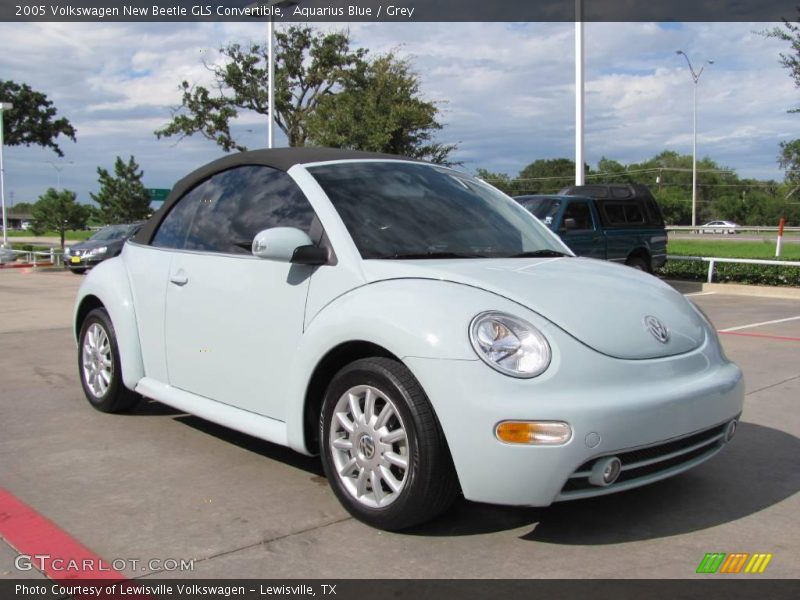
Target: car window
581,213
226,212
545,209
619,214
617,192
416,211
110,233
171,233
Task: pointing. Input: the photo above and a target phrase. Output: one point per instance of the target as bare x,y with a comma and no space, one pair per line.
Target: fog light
605,471
545,433
730,431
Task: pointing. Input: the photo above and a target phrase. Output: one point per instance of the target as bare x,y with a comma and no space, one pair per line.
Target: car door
233,321
582,232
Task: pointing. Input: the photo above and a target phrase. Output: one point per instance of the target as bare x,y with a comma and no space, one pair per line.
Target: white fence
739,229
712,262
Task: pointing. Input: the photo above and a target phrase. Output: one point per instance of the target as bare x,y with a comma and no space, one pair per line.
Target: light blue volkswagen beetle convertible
414,326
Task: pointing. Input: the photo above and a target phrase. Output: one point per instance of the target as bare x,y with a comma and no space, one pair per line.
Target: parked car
414,326
725,227
104,244
619,222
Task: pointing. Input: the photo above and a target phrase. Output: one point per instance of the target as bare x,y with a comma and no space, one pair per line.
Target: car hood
91,244
603,305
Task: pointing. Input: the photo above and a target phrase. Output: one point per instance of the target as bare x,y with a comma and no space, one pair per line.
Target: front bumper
82,262
613,406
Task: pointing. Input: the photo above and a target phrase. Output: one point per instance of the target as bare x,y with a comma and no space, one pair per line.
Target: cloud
506,91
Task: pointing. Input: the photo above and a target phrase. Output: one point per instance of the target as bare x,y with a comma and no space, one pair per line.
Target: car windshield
113,232
545,209
399,210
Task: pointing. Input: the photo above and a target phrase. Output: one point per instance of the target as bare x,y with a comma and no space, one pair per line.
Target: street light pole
579,173
271,91
272,5
4,106
58,170
695,79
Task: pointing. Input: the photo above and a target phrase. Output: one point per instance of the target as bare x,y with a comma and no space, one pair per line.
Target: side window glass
634,214
615,213
240,202
171,233
581,214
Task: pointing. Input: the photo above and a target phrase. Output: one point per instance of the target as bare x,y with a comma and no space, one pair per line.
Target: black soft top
282,159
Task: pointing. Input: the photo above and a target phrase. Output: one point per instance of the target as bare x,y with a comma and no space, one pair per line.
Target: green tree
122,197
379,110
502,181
789,32
546,176
789,157
32,120
366,105
21,208
58,211
309,65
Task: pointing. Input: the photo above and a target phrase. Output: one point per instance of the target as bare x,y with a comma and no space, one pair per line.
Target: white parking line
700,294
751,325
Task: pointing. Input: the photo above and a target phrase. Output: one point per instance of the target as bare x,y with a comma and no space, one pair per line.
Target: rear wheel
383,449
99,366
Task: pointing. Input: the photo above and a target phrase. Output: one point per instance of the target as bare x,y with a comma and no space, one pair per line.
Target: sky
506,93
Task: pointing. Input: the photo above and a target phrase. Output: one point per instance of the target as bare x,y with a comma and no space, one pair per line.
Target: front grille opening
653,452
632,457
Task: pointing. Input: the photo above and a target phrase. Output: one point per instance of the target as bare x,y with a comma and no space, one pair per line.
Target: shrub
732,273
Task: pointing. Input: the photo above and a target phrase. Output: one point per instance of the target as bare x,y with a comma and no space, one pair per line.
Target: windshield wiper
425,255
539,253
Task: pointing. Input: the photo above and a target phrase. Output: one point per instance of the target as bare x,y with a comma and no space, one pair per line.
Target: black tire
639,263
79,271
116,397
430,482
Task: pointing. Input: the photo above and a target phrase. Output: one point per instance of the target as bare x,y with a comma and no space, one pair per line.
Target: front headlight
509,344
100,250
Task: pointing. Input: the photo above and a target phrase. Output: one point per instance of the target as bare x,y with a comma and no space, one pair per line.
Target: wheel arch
107,287
642,252
331,363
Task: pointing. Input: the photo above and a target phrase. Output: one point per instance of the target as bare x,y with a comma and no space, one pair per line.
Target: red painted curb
52,550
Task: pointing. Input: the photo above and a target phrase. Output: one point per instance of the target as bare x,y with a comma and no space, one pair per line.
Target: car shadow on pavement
310,464
757,470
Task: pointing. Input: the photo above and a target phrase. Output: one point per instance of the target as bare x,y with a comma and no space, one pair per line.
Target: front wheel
382,447
99,366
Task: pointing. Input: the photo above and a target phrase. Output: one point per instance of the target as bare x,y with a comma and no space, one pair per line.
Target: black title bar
398,11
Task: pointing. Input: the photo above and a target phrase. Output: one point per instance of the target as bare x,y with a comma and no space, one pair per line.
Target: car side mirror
288,244
568,225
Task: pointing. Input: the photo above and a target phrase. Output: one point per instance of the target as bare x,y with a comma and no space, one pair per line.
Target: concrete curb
735,289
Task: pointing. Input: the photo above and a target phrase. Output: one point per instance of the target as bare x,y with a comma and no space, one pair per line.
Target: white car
416,327
725,227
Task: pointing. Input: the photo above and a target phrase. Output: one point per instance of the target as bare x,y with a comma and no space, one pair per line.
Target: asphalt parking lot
157,484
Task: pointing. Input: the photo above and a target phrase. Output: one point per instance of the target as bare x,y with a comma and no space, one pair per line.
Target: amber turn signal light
544,433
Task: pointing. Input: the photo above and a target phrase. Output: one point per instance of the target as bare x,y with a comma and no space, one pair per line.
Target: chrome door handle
179,279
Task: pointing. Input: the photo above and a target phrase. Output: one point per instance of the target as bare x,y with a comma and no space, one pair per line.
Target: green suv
617,222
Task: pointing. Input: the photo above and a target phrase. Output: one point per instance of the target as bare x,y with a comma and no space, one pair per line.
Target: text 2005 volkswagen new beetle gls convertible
414,326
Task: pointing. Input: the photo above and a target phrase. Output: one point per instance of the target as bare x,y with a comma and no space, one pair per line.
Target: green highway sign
158,194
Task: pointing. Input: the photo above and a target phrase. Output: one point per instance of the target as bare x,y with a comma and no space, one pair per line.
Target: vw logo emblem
366,447
657,329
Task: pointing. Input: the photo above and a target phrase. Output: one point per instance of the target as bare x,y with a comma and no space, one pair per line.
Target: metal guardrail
739,228
712,262
53,256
